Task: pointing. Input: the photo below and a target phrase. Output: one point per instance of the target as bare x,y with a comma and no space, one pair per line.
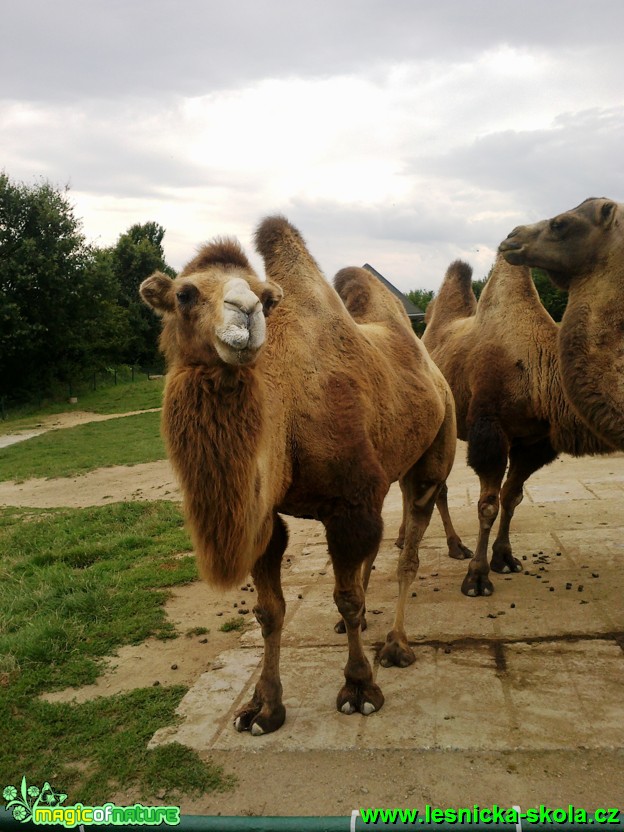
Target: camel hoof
475,585
458,551
364,697
396,652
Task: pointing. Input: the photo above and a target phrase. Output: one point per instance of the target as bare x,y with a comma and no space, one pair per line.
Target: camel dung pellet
491,615
372,567
219,613
413,594
447,650
155,684
595,575
174,667
559,553
203,641
244,589
568,586
524,557
551,588
436,589
243,603
580,587
243,612
513,606
300,597
251,589
234,604
527,572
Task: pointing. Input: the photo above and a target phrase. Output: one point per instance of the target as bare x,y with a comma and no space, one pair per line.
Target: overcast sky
401,133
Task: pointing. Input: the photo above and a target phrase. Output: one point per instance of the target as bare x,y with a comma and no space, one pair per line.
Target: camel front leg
265,712
351,540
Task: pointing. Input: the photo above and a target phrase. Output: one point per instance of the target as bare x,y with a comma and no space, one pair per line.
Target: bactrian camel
500,359
583,252
311,414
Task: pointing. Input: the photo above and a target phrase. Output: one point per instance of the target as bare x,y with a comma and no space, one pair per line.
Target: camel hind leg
524,460
353,536
265,712
421,488
456,548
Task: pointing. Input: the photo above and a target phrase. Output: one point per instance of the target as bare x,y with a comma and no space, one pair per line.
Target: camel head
569,245
216,305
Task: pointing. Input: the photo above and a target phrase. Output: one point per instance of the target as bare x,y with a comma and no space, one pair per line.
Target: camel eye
187,295
558,226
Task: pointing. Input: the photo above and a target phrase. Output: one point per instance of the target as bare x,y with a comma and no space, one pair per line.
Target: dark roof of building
413,312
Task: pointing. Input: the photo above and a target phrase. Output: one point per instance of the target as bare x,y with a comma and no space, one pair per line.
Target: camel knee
350,603
270,618
488,510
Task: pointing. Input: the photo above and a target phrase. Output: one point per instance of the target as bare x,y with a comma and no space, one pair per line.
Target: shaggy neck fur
213,424
511,295
591,352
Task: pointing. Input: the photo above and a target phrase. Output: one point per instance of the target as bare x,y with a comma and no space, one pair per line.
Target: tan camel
500,359
312,414
583,252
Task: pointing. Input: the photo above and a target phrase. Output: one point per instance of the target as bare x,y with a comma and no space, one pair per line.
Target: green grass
233,624
120,398
63,453
74,586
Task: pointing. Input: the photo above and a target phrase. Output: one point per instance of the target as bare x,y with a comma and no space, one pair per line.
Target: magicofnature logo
43,806
24,802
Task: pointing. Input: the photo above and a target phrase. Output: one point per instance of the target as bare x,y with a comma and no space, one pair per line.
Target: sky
400,133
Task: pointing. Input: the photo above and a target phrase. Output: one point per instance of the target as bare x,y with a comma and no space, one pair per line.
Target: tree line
68,307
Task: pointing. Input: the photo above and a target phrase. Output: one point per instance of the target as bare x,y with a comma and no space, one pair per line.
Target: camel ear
607,214
157,292
270,297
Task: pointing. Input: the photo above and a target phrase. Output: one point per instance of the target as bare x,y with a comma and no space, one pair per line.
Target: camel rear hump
367,300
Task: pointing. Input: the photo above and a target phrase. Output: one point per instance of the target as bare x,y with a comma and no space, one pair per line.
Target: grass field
74,586
63,453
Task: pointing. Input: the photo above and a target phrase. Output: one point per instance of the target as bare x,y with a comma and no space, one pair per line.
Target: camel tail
285,254
366,299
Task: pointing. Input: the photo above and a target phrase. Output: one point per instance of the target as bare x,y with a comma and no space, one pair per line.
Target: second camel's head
215,307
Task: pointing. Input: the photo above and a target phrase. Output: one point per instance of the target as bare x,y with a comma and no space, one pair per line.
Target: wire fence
71,390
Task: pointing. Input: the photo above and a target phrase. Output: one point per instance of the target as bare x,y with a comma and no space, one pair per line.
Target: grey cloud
74,48
544,171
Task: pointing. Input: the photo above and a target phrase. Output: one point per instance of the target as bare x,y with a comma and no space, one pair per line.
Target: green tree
136,255
58,309
421,298
554,300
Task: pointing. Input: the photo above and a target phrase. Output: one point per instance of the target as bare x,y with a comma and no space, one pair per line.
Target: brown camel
500,359
583,252
311,414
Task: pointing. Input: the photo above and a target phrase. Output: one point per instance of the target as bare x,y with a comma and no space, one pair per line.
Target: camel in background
500,358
